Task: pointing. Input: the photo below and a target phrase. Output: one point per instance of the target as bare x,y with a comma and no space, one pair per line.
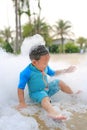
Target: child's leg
51,111
65,88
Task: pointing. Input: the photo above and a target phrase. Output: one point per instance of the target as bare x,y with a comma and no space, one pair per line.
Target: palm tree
38,17
81,41
39,27
25,8
6,37
86,45
42,28
16,19
62,29
39,6
18,12
7,34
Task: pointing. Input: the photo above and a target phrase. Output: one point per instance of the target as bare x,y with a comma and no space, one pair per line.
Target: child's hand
21,106
70,69
78,92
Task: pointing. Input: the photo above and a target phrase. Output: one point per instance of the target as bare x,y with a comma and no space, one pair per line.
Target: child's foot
57,117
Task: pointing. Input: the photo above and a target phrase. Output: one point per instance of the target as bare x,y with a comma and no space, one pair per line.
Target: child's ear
34,62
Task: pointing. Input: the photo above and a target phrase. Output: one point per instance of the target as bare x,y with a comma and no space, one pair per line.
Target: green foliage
61,48
71,48
7,47
54,49
27,30
6,34
1,40
38,27
5,39
81,41
48,40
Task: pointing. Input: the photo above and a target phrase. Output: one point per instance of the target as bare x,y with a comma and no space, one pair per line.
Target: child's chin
42,70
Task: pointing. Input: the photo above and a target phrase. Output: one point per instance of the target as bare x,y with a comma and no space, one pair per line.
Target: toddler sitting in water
35,76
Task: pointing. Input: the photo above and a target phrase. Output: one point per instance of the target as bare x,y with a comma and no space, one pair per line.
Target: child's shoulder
25,73
26,69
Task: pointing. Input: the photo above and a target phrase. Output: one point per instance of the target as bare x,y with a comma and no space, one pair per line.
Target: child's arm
67,70
22,103
24,77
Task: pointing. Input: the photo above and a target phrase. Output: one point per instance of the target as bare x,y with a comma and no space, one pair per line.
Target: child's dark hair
38,51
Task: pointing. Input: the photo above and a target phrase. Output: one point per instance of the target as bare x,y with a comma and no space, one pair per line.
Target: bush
7,47
54,49
71,48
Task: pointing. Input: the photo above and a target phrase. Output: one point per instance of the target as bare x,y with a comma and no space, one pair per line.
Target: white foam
12,120
11,65
31,41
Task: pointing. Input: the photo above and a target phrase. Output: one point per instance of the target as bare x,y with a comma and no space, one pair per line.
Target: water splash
31,41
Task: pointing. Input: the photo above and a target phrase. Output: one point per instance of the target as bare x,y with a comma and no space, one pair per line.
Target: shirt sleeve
50,72
24,77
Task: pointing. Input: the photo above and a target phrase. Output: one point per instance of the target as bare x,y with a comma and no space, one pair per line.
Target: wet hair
38,51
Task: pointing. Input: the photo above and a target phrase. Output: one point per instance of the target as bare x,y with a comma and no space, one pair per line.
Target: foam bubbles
10,67
12,120
31,41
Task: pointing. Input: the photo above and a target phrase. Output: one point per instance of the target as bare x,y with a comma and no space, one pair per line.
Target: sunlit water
10,67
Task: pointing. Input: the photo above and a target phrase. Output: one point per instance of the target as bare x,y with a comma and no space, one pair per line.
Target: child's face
42,63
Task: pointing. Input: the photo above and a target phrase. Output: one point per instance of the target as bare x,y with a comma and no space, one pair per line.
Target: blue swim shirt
33,77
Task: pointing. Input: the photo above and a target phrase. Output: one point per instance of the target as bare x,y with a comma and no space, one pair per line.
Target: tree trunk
16,19
62,40
19,20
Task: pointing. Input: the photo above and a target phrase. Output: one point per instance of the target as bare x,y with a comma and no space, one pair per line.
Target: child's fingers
71,69
78,92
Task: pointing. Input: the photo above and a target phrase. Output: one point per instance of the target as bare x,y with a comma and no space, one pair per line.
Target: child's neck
37,67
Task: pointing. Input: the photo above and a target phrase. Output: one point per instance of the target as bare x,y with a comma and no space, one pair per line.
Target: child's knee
61,84
45,99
